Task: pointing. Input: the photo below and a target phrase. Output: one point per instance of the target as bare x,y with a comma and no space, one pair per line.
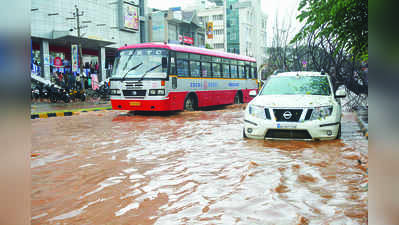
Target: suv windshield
297,85
128,59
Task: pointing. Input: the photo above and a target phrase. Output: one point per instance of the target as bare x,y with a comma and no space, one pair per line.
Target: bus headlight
161,92
153,92
114,92
157,92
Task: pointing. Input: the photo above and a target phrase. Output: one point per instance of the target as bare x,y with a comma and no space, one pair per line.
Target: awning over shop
90,42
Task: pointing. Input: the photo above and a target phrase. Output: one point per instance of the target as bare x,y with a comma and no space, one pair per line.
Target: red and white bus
168,77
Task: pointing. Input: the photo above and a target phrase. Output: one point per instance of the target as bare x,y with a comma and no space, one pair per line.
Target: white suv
295,105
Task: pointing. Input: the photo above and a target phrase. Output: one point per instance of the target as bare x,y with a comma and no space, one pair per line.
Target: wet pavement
46,106
191,168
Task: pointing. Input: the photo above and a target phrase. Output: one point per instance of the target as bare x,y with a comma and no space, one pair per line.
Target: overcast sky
285,9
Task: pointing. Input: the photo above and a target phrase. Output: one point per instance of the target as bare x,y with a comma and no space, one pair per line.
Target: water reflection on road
191,168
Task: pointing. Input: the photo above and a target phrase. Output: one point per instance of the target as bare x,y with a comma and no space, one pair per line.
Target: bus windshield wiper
133,68
153,68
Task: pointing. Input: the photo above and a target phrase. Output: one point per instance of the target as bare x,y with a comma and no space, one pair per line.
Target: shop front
96,57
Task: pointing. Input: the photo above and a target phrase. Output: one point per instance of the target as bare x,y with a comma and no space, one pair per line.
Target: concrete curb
363,125
65,113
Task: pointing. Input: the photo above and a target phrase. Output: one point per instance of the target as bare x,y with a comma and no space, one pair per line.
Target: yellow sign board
209,30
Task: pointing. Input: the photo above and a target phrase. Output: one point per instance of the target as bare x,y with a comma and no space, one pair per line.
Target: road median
69,112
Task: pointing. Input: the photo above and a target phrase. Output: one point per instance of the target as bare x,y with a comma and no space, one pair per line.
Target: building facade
246,29
238,26
103,27
213,20
176,26
252,34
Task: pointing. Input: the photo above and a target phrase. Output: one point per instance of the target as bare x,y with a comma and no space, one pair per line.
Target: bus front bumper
141,105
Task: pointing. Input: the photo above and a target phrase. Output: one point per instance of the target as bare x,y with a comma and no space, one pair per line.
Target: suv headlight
321,112
257,111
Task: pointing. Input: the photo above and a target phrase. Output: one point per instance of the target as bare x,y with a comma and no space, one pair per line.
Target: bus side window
233,71
216,70
226,70
195,69
242,72
172,70
206,69
249,72
182,68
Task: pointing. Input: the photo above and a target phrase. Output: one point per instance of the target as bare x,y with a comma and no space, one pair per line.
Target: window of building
219,45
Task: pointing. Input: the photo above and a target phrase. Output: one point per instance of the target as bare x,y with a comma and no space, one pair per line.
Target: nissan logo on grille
287,115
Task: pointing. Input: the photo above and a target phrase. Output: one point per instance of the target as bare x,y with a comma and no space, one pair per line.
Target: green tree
208,46
344,21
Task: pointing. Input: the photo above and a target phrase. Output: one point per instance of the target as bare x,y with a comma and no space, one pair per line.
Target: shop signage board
188,40
74,57
58,62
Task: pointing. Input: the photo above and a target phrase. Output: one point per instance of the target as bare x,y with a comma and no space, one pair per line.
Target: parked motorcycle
80,95
35,93
58,94
102,93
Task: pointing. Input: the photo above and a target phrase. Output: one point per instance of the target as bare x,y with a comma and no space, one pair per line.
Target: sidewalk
47,109
362,118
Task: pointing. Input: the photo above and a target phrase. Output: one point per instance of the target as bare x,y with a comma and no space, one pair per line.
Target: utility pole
80,58
77,14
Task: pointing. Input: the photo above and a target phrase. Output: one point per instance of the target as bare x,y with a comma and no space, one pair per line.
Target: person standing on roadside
78,87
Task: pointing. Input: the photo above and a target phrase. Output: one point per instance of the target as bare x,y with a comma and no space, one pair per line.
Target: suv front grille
291,134
295,114
134,92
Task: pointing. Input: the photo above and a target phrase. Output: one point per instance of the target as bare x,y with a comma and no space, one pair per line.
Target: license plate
135,103
286,125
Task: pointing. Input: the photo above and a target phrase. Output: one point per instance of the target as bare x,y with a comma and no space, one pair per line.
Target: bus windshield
142,59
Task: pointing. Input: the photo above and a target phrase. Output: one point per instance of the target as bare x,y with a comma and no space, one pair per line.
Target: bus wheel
189,104
237,99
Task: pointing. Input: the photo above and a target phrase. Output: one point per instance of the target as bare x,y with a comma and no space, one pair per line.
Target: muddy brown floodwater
191,168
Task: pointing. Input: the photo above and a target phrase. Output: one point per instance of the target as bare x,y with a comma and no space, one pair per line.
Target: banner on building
74,57
58,62
188,40
129,16
209,30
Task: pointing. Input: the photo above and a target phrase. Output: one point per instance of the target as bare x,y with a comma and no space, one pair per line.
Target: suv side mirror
252,94
340,93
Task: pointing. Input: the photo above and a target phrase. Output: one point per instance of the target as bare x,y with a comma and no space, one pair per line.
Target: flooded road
191,168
